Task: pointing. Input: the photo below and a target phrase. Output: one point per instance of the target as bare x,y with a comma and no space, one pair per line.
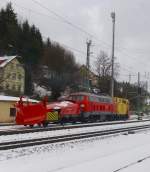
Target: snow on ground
15,137
97,154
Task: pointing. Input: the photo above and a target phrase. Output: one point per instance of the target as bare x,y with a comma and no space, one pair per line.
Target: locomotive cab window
76,97
94,99
100,99
109,100
124,101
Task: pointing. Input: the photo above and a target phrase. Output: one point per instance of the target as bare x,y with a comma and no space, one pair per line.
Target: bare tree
103,65
103,69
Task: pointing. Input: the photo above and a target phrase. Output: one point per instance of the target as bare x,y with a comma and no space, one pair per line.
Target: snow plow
43,112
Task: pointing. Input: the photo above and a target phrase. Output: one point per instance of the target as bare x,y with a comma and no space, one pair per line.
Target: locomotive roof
89,94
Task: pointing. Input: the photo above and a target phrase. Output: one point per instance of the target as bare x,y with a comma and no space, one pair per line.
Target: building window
13,76
19,76
13,87
8,76
1,73
18,65
19,88
12,112
7,86
12,66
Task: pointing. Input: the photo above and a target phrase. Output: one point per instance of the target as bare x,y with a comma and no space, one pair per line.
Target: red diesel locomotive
76,107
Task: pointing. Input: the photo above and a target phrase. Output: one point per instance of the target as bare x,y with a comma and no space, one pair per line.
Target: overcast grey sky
132,40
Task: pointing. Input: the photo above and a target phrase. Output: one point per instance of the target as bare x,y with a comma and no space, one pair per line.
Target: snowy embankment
44,134
124,152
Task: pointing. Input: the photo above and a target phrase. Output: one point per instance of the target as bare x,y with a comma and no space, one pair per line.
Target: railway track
23,130
70,137
7,124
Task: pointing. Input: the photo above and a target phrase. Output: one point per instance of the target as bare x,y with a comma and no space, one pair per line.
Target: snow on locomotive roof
15,99
64,103
58,105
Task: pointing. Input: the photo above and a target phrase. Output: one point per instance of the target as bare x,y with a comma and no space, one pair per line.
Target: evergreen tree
25,40
8,30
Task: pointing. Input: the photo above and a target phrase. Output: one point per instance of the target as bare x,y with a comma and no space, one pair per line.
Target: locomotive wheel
45,124
74,122
39,124
62,122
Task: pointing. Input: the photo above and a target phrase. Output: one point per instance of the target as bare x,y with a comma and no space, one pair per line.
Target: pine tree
8,30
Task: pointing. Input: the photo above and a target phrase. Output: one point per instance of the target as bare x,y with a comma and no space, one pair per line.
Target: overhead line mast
112,59
88,64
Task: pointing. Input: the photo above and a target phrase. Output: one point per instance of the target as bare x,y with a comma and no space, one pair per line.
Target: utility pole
146,95
112,58
138,96
138,79
147,86
88,63
129,78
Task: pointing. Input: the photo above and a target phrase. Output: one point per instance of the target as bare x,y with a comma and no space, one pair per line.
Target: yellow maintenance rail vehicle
122,107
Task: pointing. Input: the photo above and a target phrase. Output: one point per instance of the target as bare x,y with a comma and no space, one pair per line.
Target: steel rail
52,128
70,137
6,124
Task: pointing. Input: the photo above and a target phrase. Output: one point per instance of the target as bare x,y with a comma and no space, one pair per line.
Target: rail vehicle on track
81,106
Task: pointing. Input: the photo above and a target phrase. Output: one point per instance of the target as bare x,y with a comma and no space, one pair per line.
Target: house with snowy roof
12,75
7,107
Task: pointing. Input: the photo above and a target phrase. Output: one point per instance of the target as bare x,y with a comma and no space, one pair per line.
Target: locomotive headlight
56,108
82,105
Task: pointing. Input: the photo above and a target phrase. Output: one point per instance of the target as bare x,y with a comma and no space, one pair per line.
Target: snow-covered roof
15,99
5,60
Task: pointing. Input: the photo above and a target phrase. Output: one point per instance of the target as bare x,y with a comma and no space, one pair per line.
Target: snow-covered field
99,154
15,137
